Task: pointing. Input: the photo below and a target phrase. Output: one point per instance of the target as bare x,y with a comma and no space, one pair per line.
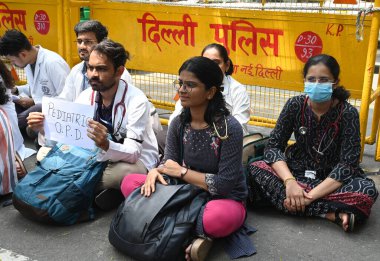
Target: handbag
158,227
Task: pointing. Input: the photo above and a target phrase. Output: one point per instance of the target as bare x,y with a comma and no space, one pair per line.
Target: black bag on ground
253,150
158,227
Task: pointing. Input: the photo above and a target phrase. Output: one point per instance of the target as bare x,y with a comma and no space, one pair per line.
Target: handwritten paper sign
66,122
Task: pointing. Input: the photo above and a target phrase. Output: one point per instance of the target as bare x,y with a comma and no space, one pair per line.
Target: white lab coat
136,125
74,82
49,76
237,102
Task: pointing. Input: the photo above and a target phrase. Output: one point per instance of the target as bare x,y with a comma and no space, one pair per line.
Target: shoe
109,199
200,248
351,220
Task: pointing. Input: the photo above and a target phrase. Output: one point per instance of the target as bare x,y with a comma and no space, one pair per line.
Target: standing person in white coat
89,33
235,94
45,71
121,127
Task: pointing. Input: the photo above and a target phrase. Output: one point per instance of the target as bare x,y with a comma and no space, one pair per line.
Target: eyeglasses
187,86
85,42
320,79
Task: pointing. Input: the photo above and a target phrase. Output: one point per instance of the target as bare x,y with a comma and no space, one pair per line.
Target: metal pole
67,19
368,75
375,97
60,28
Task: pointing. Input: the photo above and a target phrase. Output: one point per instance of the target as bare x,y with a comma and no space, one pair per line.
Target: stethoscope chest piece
302,130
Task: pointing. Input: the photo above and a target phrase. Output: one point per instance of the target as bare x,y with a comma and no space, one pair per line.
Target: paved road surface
279,237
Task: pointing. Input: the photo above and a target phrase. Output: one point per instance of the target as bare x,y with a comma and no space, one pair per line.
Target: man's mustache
94,79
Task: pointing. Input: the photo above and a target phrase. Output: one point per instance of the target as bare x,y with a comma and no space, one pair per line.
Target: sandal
351,220
20,165
200,248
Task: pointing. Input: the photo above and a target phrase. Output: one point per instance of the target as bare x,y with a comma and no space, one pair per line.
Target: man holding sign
121,125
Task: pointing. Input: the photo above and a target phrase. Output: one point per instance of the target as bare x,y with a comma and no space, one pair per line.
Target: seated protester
210,140
121,127
7,83
235,94
89,33
8,174
45,71
318,175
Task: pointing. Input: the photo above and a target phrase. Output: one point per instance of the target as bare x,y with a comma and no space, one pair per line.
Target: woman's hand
36,121
170,168
149,186
296,198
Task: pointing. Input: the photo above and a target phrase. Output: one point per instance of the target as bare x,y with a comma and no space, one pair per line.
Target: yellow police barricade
268,43
268,48
40,21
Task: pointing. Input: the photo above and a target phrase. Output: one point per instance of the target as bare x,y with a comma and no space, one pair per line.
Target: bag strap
181,149
151,206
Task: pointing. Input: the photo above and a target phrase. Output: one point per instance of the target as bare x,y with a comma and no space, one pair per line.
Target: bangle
288,179
184,172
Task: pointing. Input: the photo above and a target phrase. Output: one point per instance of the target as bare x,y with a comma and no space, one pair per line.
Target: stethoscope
335,125
120,106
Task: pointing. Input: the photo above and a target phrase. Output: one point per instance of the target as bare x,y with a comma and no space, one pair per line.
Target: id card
310,174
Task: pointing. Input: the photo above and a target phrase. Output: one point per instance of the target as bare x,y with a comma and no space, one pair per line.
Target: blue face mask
318,92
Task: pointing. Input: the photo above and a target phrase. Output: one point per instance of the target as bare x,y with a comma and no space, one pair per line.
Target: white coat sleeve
58,72
138,113
24,89
241,107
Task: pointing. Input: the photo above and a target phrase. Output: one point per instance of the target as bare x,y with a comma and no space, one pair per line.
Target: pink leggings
221,216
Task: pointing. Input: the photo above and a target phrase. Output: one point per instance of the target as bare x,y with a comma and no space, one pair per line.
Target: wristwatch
184,171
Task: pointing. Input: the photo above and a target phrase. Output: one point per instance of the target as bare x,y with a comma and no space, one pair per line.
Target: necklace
217,133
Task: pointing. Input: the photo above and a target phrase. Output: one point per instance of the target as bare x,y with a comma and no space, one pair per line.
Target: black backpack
159,227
